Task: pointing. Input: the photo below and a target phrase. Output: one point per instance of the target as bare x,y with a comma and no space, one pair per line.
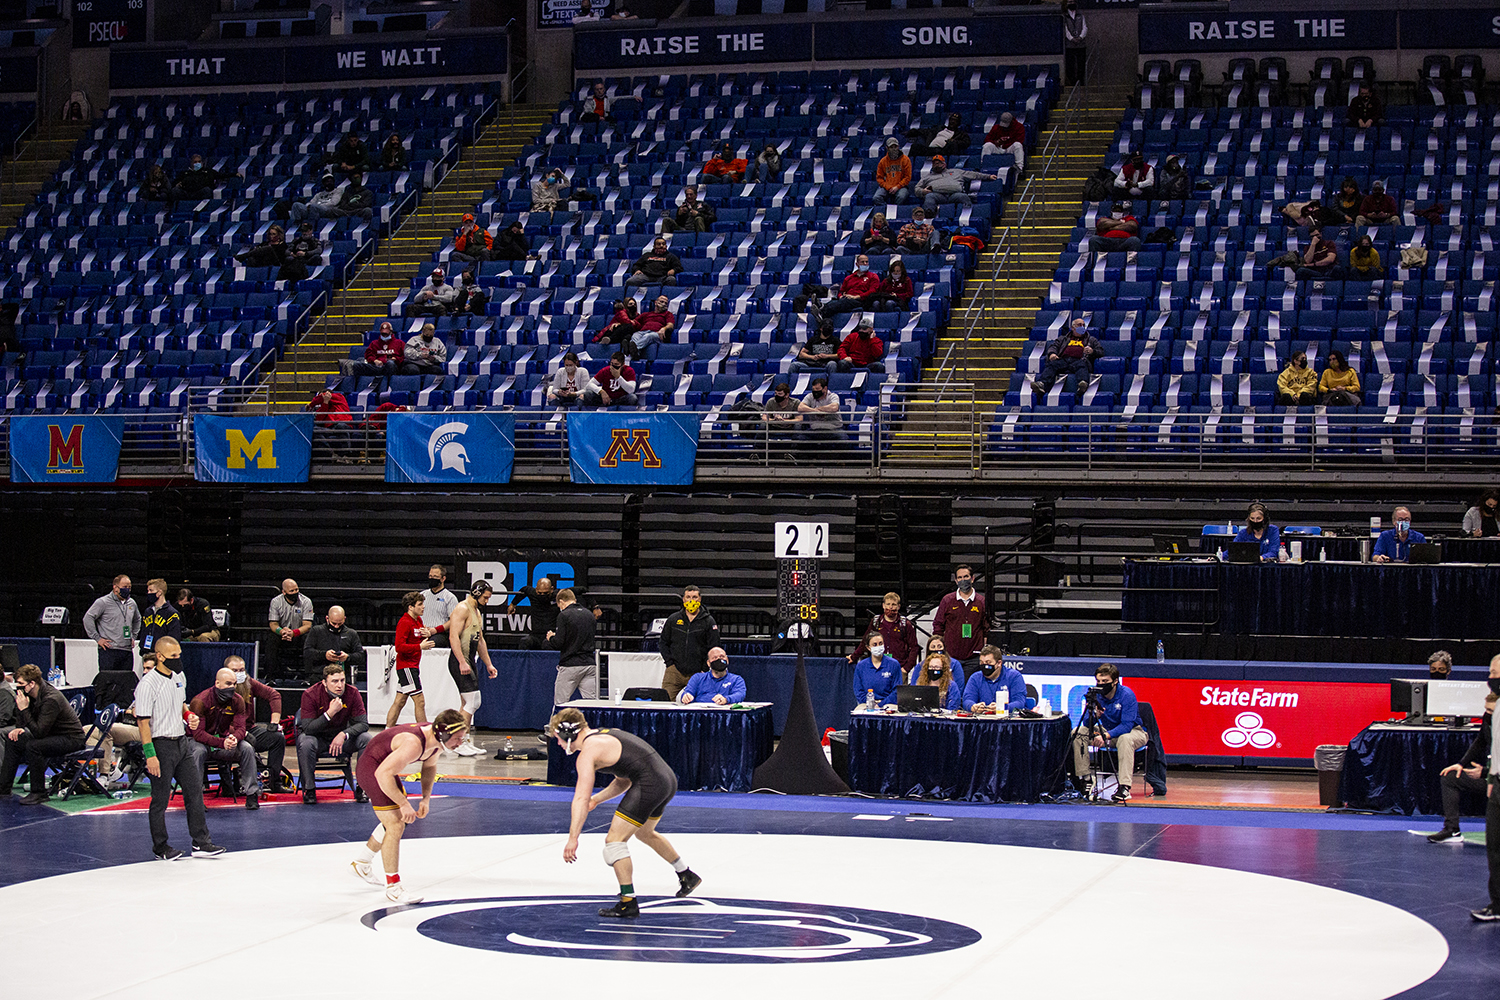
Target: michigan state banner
449,448
253,449
51,449
633,449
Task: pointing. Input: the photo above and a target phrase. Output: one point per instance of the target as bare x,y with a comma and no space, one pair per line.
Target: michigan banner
65,449
633,449
253,449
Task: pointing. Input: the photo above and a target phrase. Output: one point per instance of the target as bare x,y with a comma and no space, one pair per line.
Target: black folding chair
73,770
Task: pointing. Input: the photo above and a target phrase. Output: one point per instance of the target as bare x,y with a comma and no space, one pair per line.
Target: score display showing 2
801,539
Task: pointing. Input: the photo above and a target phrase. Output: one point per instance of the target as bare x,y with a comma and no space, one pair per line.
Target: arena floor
887,898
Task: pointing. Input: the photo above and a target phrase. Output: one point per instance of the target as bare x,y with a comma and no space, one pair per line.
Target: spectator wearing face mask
472,244
1394,543
1297,385
568,382
1136,177
862,350
893,175
942,186
937,672
822,420
198,181
265,737
918,235
46,727
994,687
159,617
1258,528
357,200
766,165
332,642
221,736
716,685
962,620
384,354
855,292
324,204
426,354
1070,357
879,673
436,298
1483,519
898,633
724,167
512,243
880,237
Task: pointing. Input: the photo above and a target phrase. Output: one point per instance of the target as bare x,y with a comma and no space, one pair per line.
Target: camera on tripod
1092,698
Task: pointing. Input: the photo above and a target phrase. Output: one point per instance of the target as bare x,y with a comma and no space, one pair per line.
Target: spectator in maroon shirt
1377,209
614,385
1008,136
221,733
655,327
900,635
896,288
862,349
856,291
1072,356
961,620
383,354
266,737
331,722
1113,233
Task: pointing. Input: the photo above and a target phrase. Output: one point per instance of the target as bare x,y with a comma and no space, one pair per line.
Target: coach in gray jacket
114,622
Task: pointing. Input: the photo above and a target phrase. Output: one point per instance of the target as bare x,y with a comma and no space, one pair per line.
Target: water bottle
1161,652
1281,555
869,699
56,678
509,746
1223,555
1322,553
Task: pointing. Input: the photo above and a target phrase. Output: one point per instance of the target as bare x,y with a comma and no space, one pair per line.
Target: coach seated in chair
716,685
46,727
332,722
994,686
1115,722
332,642
221,735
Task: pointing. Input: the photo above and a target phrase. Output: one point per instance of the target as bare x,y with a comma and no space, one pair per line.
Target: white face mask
239,676
876,652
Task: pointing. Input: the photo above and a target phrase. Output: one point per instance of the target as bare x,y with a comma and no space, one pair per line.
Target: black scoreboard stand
798,767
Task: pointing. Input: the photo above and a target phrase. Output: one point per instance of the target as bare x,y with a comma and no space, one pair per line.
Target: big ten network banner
65,449
633,449
1235,718
479,53
253,449
509,570
1252,29
449,448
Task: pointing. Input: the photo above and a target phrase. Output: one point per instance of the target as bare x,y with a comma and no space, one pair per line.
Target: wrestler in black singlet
652,783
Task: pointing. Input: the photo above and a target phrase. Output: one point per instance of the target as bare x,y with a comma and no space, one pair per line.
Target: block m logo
64,450
261,448
630,445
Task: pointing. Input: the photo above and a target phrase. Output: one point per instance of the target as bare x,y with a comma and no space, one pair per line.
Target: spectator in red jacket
411,638
656,327
472,244
896,287
856,291
220,736
332,409
1377,209
1008,136
899,633
724,167
625,322
383,354
862,349
614,385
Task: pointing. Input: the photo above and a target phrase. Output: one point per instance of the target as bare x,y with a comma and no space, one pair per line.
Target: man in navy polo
1394,544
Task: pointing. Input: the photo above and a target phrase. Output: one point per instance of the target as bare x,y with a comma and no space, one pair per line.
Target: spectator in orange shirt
893,174
472,244
724,167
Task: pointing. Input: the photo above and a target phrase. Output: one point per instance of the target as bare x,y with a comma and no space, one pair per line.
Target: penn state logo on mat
678,930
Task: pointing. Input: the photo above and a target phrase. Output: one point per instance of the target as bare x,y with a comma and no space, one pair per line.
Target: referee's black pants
177,762
1492,839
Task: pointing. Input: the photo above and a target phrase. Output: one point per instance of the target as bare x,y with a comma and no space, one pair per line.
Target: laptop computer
917,697
1176,545
1244,552
1429,553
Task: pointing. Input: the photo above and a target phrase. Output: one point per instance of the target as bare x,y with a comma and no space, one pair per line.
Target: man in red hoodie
331,407
856,290
383,354
862,349
1008,136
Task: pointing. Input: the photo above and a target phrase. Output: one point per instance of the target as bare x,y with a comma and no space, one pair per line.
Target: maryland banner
253,449
65,449
633,449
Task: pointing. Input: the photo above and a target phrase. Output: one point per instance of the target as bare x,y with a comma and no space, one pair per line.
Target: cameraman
1110,714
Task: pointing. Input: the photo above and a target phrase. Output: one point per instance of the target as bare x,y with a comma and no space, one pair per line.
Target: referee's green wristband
149,750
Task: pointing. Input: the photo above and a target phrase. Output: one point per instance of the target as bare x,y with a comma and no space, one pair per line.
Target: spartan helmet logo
444,446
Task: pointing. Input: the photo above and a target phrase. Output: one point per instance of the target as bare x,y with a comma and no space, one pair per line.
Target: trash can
1329,760
838,753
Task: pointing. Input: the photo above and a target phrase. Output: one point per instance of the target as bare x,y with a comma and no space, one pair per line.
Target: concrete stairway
357,309
35,164
1002,311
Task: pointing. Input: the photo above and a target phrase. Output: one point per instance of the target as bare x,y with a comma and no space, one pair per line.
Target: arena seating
1196,330
134,306
738,329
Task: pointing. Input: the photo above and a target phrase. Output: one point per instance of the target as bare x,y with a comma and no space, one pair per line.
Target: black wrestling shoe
624,908
687,882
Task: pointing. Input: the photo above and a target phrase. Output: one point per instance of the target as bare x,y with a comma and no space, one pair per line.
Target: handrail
1035,184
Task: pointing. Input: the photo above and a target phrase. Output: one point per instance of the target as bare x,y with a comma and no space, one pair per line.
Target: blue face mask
124,593
1403,526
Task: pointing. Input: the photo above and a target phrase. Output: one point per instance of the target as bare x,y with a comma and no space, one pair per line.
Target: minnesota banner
65,449
633,449
253,449
449,447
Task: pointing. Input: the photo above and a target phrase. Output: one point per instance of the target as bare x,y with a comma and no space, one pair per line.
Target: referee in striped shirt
159,707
